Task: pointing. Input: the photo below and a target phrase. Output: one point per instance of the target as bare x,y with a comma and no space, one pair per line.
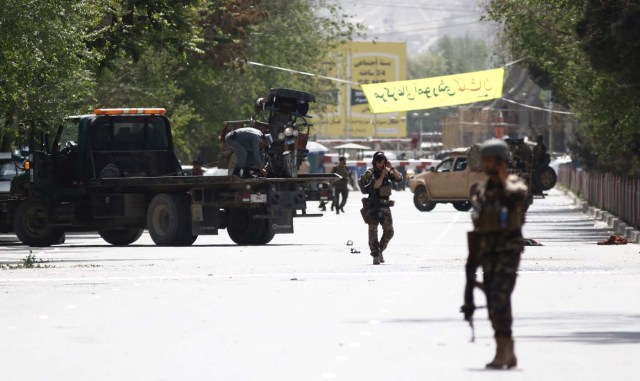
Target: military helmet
497,148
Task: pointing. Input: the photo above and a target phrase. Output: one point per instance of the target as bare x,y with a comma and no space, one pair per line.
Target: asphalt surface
305,308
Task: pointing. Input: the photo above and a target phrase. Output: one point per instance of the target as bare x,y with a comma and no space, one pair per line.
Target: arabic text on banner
449,90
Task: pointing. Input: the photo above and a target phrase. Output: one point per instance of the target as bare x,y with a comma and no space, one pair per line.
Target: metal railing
615,194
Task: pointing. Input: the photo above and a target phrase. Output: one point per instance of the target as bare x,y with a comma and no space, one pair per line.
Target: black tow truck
115,172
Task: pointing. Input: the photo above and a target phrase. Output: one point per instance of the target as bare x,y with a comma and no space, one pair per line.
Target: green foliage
189,56
43,62
585,52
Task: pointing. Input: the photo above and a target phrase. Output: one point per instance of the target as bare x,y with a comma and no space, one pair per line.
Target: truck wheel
189,240
167,219
31,225
243,229
462,206
421,200
268,234
545,178
121,237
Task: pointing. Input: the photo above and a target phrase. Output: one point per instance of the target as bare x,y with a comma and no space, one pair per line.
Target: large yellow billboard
346,110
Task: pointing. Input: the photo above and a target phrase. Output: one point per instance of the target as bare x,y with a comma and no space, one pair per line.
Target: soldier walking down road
496,244
341,186
376,183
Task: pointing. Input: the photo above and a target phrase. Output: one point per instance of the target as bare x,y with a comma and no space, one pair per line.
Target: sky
419,23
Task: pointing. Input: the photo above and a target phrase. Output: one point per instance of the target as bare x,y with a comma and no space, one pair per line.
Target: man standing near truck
341,187
376,182
245,143
496,244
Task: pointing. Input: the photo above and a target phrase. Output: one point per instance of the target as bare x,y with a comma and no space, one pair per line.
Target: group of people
495,244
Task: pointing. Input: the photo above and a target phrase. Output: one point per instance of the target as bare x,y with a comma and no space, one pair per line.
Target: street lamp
422,118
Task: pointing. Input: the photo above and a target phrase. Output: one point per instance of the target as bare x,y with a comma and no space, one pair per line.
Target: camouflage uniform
498,216
379,212
340,187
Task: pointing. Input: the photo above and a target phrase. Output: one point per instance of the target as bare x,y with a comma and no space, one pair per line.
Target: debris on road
531,242
614,240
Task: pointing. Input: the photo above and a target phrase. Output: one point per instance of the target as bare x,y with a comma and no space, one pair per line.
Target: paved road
304,308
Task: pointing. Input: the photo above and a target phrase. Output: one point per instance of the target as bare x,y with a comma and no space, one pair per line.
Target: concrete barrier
619,226
628,233
610,219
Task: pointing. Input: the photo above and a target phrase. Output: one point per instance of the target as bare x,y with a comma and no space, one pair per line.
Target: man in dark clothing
341,186
376,182
197,167
496,244
245,143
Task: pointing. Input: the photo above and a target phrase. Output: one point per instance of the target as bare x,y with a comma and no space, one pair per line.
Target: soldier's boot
376,257
383,247
505,357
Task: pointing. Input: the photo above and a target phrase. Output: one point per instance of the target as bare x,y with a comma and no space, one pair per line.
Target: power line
538,108
422,22
408,5
423,29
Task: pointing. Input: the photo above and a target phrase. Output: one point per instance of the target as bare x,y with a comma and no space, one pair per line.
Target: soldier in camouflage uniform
341,186
496,244
376,182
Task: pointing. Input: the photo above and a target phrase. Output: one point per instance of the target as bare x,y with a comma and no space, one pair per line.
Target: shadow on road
588,337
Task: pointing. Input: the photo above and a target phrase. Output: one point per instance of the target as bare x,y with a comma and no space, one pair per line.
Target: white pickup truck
452,181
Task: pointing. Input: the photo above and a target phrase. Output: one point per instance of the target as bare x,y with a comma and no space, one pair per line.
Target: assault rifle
473,262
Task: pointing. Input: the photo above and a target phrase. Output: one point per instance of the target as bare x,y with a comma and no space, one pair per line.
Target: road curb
612,221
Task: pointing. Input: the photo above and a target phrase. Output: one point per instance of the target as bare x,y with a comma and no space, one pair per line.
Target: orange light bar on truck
130,111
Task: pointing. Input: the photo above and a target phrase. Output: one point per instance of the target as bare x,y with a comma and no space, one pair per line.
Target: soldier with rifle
496,244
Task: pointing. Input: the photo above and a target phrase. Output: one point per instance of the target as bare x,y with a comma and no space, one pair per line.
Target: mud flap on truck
282,223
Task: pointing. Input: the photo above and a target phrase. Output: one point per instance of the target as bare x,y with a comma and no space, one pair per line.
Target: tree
42,63
564,42
190,56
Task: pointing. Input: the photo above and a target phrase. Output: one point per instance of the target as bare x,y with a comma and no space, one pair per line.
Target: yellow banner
449,90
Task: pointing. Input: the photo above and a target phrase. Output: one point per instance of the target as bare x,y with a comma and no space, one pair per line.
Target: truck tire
31,225
243,229
189,240
462,206
545,178
167,219
121,237
268,234
421,200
